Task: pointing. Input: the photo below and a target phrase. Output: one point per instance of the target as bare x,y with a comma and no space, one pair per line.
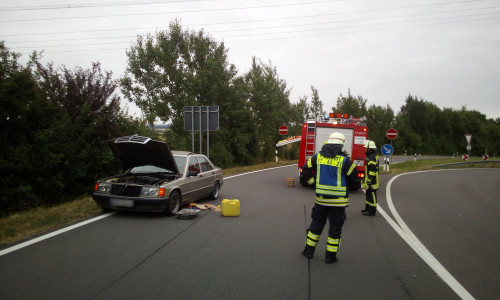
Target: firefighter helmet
370,145
336,138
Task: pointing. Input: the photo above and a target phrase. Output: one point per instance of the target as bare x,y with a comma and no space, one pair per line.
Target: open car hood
134,151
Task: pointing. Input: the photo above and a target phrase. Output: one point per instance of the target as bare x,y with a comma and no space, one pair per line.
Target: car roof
181,153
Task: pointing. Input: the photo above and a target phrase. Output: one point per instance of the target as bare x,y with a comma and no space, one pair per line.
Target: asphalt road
454,214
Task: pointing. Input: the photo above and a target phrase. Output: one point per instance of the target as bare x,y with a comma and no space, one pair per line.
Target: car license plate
121,202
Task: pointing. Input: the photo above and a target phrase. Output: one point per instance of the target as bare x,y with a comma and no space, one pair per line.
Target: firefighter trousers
371,200
320,214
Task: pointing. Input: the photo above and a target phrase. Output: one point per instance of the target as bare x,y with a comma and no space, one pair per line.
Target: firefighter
333,169
371,182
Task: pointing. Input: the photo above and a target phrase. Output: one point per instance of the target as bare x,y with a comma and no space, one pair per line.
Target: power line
279,38
94,5
175,12
299,25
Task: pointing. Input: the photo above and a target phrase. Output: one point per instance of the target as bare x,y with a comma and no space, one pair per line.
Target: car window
181,163
205,165
148,169
193,164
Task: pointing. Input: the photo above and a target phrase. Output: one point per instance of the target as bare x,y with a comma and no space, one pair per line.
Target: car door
193,185
208,175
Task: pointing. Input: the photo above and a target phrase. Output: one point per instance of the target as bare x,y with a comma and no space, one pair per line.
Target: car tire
174,203
215,191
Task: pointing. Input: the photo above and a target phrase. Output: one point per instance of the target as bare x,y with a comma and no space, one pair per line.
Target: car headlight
152,191
103,187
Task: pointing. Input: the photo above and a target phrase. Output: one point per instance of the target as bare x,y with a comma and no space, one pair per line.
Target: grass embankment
22,225
428,164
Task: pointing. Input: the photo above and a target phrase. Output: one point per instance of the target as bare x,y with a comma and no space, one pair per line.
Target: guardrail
469,163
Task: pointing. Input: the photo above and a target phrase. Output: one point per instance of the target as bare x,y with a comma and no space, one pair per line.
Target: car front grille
126,190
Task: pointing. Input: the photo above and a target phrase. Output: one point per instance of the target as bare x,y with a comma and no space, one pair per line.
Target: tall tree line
56,121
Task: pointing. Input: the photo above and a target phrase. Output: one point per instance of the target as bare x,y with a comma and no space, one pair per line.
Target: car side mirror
192,173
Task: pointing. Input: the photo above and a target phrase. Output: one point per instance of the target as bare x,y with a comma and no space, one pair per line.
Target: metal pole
192,130
199,107
208,133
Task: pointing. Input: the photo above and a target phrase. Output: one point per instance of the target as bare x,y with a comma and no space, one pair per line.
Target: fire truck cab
316,132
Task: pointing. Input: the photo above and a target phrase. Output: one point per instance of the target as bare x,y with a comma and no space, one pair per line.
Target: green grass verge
429,164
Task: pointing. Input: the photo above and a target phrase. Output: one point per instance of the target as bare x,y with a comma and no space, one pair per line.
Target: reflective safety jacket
331,179
371,170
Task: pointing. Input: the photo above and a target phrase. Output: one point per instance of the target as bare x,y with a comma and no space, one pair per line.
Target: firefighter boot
366,208
370,212
308,251
330,257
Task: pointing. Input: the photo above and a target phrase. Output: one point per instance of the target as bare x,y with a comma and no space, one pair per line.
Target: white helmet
336,138
370,144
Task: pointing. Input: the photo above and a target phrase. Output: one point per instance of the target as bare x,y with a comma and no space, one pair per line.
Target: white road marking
52,234
57,232
404,231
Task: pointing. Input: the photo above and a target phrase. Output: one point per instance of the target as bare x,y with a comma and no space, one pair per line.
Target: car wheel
174,203
215,191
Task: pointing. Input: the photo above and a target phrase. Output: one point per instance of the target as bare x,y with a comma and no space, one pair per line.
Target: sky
446,52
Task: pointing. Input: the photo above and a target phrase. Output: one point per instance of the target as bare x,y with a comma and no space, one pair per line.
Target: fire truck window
205,165
194,165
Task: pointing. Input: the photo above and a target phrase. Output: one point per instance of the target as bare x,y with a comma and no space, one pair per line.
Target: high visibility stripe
339,202
332,245
312,239
353,166
374,203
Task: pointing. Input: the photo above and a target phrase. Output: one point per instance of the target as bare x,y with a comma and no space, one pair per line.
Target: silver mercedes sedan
153,178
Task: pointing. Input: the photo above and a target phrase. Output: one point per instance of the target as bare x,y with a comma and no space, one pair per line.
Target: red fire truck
315,133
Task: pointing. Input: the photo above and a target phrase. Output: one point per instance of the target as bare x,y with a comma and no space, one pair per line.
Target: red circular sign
392,133
283,130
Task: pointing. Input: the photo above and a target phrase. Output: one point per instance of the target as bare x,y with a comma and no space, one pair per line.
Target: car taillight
361,175
96,187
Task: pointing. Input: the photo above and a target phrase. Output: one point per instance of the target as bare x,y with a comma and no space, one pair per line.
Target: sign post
387,150
468,138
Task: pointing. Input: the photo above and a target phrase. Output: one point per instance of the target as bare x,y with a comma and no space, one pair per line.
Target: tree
379,120
89,105
316,107
355,106
269,105
29,140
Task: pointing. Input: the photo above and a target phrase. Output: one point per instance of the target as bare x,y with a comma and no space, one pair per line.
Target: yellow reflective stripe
353,166
312,236
309,163
340,202
312,239
371,173
332,245
310,181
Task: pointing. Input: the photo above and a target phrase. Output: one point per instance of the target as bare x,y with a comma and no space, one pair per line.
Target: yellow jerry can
230,207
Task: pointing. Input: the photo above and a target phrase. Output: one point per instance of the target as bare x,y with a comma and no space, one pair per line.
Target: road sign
391,133
468,138
387,150
485,157
283,129
465,157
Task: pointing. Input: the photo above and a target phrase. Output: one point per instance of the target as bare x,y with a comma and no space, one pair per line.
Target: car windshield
181,162
149,169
